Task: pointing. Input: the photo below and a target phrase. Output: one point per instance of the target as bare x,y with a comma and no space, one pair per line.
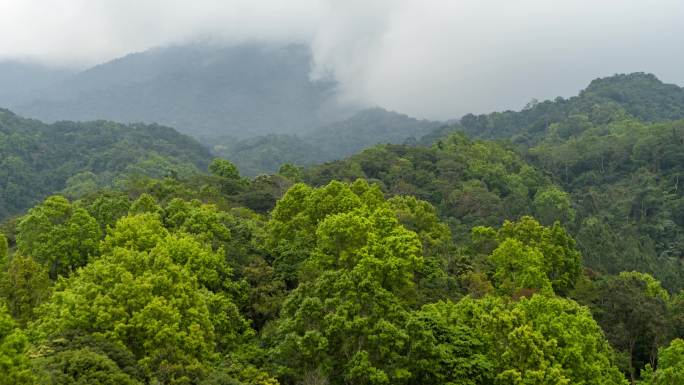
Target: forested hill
37,159
203,90
638,95
366,128
555,259
613,151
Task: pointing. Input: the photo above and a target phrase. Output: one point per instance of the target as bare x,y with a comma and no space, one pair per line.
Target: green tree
291,172
15,367
59,236
224,169
670,368
107,207
203,221
519,268
293,223
157,294
552,204
445,351
145,204
342,328
24,286
4,250
561,261
632,309
677,315
346,320
539,340
83,367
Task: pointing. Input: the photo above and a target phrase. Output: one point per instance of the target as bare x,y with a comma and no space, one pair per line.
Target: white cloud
429,58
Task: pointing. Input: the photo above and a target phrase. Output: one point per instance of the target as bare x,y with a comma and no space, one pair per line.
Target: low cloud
428,58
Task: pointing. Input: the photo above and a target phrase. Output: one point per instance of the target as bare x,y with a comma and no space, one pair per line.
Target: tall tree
632,308
15,367
58,235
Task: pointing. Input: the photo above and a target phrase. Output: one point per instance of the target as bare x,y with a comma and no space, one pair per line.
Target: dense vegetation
623,201
550,260
338,285
638,95
38,159
616,149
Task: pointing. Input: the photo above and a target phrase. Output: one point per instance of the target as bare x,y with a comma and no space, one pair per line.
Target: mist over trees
203,90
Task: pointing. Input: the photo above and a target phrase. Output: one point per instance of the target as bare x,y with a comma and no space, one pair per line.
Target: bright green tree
518,268
561,261
81,367
107,207
539,340
203,221
293,223
58,235
342,328
145,204
345,322
670,368
224,169
442,350
15,367
158,294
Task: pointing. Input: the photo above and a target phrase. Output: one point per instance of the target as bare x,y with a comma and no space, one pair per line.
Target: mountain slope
207,91
19,80
334,141
37,159
617,151
605,100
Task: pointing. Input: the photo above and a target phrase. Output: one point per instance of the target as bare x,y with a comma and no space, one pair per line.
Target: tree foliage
38,160
58,235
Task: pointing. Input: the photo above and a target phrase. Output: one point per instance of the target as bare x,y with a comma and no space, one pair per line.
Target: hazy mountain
367,128
203,90
20,80
330,142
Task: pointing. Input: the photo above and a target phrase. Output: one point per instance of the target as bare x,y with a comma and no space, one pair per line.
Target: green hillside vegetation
337,284
550,260
624,180
621,170
637,95
37,159
469,182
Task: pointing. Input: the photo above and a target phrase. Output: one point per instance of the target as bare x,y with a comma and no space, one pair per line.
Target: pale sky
428,58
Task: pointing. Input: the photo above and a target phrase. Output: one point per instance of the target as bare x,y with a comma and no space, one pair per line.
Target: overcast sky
428,58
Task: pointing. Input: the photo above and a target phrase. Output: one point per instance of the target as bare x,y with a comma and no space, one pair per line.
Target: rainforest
318,194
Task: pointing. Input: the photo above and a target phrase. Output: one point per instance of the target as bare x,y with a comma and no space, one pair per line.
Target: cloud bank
429,58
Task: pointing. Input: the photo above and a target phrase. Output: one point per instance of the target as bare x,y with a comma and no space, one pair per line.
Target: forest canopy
552,255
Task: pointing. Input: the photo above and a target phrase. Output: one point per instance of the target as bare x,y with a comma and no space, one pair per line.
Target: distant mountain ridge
20,80
265,154
207,91
639,95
